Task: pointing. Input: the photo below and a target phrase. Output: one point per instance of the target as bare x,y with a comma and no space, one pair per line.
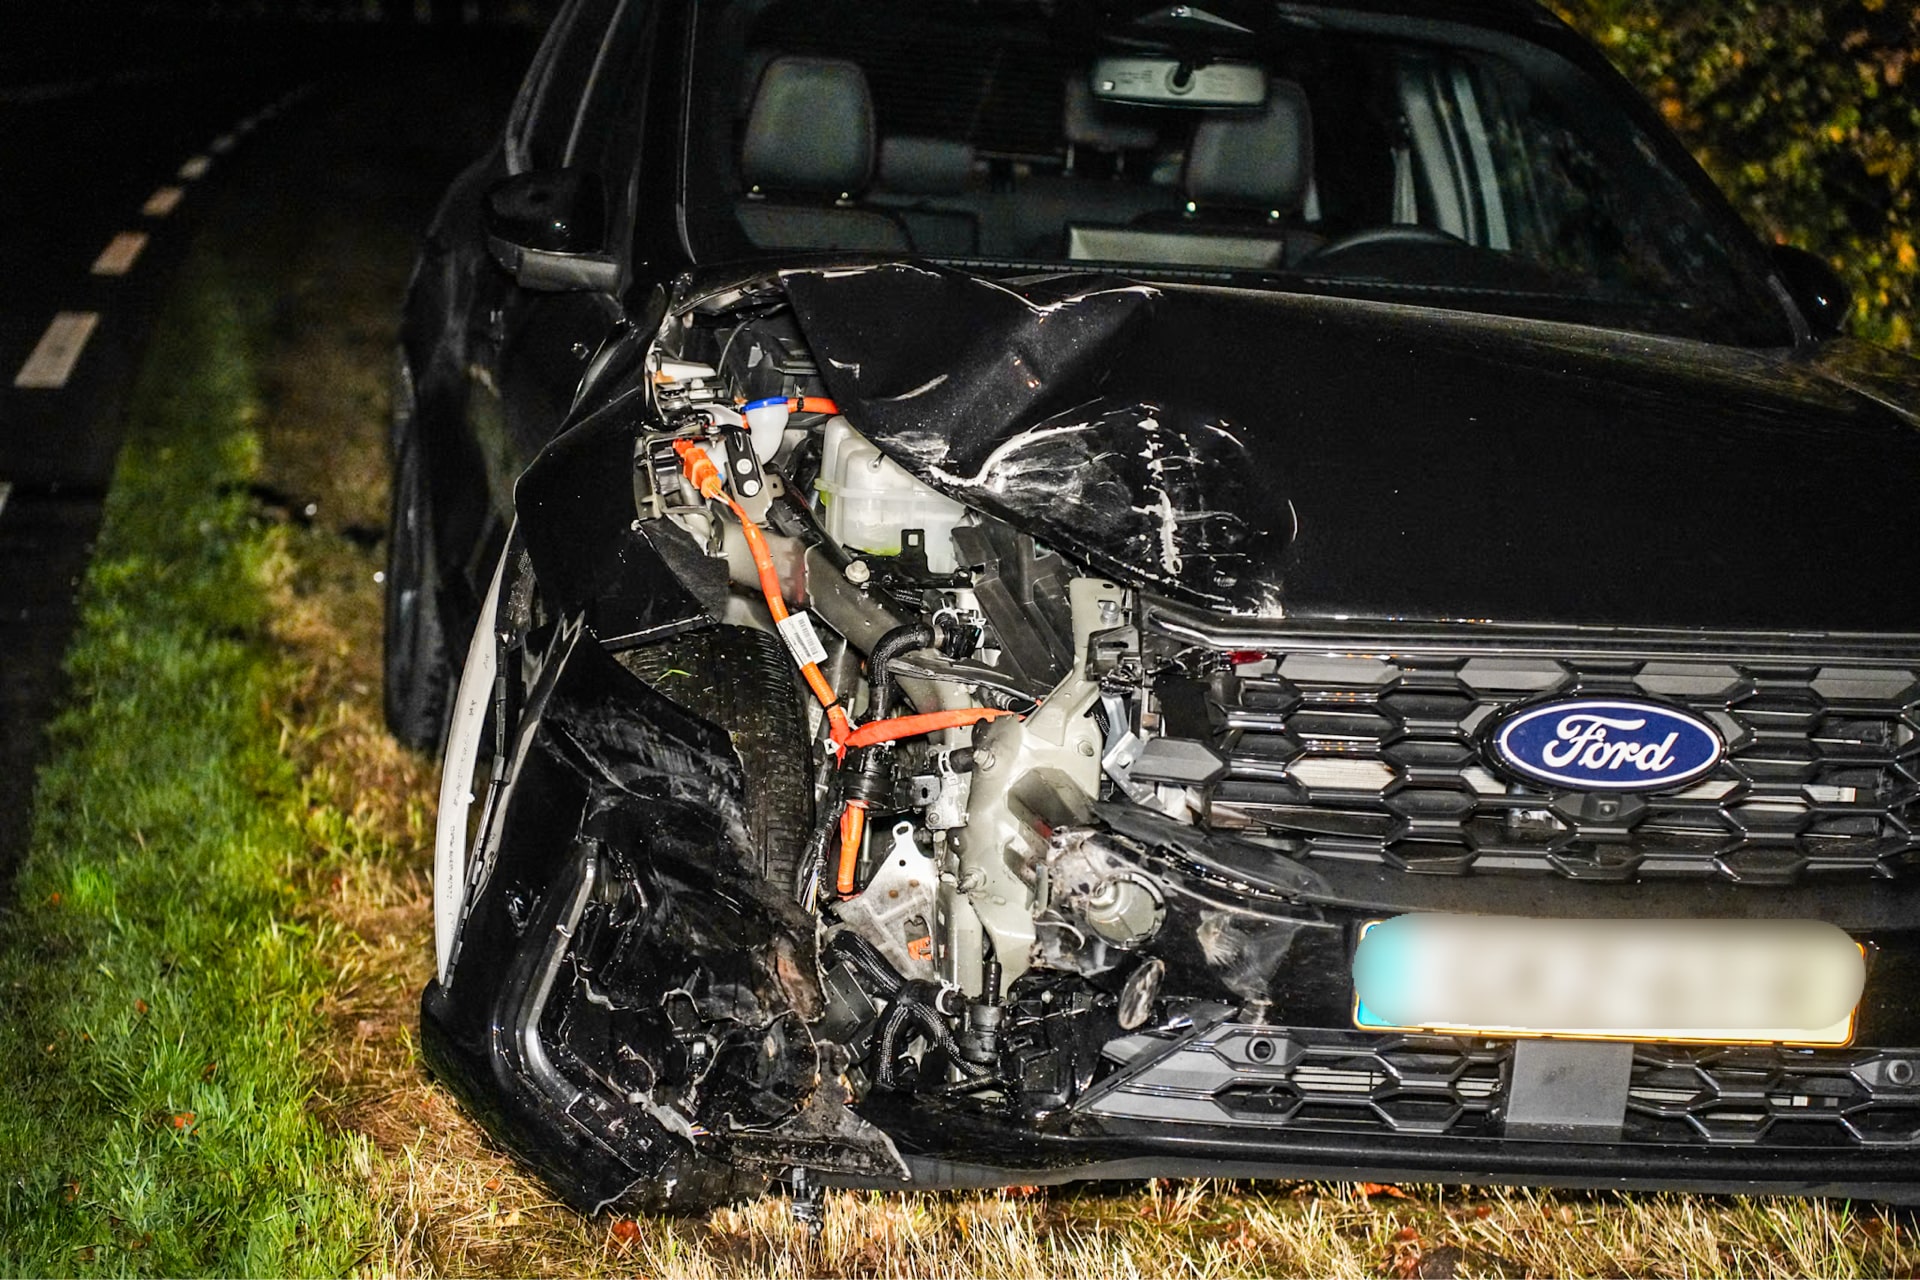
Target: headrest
1260,161
1089,122
925,166
810,129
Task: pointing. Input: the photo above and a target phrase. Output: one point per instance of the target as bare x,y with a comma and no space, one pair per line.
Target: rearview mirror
547,228
1170,82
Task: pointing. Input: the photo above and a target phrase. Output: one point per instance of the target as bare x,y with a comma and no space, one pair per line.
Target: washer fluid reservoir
870,498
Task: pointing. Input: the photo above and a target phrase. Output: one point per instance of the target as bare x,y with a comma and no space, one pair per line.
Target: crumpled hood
1326,457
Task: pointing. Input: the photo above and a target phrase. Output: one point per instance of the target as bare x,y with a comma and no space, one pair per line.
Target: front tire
742,680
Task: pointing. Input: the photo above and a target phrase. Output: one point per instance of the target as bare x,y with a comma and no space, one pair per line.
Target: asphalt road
115,138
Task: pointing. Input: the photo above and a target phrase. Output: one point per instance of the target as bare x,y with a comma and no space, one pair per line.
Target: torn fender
634,581
627,1002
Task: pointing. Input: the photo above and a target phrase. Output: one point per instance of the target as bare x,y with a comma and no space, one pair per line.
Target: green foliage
161,981
1807,114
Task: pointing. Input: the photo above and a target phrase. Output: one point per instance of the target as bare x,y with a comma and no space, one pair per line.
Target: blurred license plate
1715,981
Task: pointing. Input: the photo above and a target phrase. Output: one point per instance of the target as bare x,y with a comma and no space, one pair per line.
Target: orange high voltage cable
853,825
796,404
897,727
705,477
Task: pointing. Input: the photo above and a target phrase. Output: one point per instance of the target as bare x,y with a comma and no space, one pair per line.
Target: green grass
160,976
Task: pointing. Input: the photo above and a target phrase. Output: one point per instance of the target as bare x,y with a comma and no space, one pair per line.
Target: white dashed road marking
58,350
117,258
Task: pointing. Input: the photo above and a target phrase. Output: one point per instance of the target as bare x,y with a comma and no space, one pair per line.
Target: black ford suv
1056,590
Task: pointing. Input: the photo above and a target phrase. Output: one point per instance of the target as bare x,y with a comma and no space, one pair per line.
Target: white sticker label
797,630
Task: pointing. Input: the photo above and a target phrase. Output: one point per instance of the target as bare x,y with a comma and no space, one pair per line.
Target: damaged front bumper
637,1017
627,1009
1102,924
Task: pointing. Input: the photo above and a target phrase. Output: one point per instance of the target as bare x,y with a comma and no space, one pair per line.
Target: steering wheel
1394,233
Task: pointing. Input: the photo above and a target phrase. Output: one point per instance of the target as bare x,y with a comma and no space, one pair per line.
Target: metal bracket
1565,1089
895,911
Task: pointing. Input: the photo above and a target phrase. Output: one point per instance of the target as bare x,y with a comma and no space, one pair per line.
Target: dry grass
451,1204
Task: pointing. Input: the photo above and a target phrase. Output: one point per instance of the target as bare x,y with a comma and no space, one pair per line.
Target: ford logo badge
1594,744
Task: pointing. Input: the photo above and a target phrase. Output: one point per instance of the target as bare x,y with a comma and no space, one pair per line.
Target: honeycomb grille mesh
1434,1086
1382,759
1775,1097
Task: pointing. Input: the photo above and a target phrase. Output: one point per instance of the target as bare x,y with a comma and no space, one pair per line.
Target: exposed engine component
871,503
966,704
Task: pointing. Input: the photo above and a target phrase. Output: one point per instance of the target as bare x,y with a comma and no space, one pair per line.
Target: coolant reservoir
870,498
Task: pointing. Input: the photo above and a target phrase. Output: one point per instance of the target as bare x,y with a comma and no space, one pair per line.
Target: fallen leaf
53,899
1483,1211
70,1192
1406,1233
626,1230
141,1006
181,1119
207,1072
1371,1189
493,1184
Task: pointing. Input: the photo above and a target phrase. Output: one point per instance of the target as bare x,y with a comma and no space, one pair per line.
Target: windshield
1316,150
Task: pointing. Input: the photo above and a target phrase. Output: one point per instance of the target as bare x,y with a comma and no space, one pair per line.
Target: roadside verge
161,967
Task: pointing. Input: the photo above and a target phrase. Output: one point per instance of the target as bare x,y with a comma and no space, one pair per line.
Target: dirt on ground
328,224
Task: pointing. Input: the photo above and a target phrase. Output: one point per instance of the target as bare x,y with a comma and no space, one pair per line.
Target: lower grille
1372,748
1304,1078
1775,1097
1311,1079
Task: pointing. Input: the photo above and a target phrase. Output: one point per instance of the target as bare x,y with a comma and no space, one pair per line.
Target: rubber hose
902,639
912,1005
866,957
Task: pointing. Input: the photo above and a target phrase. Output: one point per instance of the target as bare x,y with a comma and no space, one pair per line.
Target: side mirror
547,228
1823,298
